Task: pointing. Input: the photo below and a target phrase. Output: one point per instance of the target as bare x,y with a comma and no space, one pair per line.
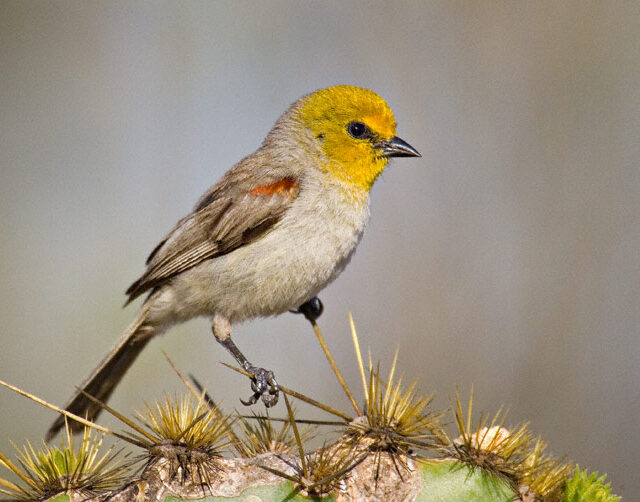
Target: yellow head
356,131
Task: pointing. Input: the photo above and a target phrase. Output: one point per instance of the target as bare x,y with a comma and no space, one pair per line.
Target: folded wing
222,221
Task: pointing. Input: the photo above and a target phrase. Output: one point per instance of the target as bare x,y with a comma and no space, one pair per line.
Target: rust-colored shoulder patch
286,186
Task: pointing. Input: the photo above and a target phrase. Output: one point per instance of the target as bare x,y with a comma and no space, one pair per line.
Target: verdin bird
278,227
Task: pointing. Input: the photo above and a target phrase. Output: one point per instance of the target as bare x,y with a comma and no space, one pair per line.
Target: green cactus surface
585,487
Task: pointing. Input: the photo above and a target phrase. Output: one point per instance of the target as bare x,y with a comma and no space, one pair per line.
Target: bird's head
355,130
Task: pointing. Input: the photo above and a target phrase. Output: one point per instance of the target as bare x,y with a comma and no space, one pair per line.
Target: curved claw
271,398
264,386
253,399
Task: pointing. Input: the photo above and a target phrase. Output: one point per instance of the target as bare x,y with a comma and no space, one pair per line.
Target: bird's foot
311,309
263,385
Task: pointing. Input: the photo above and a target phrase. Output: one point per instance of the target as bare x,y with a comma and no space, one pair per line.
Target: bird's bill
396,147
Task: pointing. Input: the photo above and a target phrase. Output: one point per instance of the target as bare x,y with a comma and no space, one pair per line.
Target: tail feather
104,378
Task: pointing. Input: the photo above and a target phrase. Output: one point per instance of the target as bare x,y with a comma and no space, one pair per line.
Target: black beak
396,147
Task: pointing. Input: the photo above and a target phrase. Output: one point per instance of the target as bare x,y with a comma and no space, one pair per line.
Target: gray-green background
508,257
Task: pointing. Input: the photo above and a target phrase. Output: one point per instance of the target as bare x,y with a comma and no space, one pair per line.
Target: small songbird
278,227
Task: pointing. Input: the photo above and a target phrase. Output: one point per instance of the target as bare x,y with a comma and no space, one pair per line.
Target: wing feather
220,226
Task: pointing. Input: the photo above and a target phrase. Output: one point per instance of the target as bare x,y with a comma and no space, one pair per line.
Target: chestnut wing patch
286,186
217,228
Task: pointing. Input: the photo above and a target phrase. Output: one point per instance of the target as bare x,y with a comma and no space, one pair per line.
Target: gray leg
263,382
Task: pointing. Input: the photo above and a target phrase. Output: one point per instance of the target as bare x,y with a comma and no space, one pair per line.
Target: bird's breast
304,252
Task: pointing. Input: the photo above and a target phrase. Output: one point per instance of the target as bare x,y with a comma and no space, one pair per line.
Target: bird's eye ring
357,129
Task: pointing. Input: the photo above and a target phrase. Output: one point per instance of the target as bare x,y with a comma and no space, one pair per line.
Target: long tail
103,380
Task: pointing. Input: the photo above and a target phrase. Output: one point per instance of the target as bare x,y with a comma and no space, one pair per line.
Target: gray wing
220,223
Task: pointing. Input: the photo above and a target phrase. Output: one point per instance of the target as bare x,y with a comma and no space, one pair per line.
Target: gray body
277,228
238,255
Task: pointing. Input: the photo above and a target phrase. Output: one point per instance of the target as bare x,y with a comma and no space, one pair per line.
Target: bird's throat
359,174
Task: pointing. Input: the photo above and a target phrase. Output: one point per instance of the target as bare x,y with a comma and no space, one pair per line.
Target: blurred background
507,257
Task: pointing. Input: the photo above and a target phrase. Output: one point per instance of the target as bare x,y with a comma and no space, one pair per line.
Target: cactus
394,448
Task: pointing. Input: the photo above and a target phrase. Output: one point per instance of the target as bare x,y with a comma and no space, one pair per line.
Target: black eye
357,129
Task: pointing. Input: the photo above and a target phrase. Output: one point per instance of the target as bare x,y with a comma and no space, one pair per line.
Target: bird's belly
278,272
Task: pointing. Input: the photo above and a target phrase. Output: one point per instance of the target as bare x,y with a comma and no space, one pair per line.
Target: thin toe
264,386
